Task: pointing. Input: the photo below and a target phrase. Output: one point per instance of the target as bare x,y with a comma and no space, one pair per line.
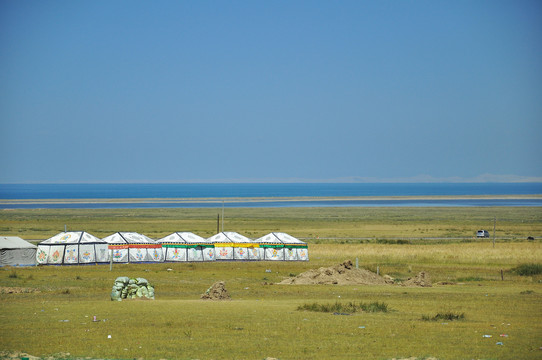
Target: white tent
294,249
133,247
15,251
75,247
271,247
233,246
186,246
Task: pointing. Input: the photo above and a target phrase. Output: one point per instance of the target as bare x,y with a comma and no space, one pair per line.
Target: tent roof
15,242
173,238
72,237
183,238
128,238
284,238
229,237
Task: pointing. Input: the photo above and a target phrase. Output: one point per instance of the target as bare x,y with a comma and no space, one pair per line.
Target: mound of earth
422,279
216,292
17,290
341,274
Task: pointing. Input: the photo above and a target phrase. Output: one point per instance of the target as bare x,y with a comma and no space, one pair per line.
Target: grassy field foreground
53,313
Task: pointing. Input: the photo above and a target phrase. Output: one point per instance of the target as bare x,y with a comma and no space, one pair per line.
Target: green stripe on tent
187,246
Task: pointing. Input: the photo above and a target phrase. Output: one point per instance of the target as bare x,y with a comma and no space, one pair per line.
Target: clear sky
162,91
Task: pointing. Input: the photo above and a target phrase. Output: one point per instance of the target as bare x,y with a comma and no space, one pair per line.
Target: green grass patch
528,269
348,308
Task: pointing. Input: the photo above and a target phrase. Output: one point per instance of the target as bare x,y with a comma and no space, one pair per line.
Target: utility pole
217,223
222,215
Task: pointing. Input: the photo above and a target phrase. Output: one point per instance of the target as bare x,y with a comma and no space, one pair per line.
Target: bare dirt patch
341,274
422,279
216,292
17,290
347,274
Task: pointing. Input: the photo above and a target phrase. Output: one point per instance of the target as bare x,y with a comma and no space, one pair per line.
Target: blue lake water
144,192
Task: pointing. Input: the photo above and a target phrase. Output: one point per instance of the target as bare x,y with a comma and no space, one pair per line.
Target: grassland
317,225
263,319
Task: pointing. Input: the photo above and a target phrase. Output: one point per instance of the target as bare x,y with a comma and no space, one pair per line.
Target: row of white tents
128,247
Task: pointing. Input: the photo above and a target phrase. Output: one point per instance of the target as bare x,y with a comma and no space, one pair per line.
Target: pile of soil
216,292
17,290
422,279
342,274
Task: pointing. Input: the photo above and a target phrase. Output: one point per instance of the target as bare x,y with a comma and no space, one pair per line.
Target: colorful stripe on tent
188,246
114,247
271,245
237,245
134,246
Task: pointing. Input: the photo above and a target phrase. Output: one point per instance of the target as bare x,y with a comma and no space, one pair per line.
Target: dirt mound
341,274
422,279
17,290
216,292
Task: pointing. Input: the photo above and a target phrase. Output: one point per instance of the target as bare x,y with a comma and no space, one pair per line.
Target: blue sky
166,91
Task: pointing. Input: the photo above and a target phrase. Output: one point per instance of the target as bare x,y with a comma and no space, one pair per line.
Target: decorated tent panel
199,249
186,246
173,247
233,246
294,249
134,247
271,247
15,251
76,247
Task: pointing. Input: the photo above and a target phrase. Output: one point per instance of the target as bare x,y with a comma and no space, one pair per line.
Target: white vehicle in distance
482,234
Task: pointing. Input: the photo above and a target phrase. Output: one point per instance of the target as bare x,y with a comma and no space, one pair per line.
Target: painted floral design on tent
186,246
133,247
234,246
76,247
277,246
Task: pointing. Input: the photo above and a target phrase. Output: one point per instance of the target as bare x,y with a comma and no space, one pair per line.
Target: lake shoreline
234,200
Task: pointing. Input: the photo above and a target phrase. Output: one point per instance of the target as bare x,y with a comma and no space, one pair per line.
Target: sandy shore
261,199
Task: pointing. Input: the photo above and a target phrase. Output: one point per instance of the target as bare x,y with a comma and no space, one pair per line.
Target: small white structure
15,251
186,246
271,247
75,247
234,246
292,249
133,247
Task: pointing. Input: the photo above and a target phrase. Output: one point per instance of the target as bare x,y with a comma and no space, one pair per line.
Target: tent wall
273,253
224,251
175,252
18,257
120,253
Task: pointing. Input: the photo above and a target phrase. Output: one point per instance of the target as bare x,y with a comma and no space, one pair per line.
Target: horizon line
421,179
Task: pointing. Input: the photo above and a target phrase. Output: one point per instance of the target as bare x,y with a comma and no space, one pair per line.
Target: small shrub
350,307
375,307
528,269
78,277
447,316
30,277
13,274
527,292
